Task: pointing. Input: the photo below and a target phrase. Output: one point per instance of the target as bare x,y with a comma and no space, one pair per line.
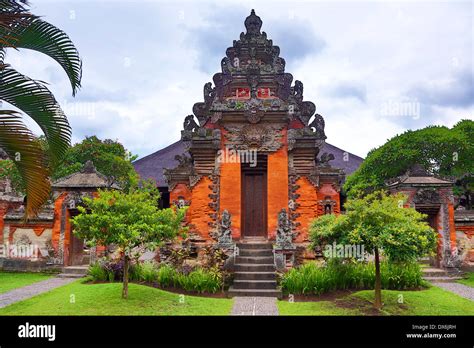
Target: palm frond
34,99
26,152
13,12
45,38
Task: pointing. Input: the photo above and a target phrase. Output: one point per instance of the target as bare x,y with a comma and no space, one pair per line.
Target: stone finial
253,23
88,167
418,170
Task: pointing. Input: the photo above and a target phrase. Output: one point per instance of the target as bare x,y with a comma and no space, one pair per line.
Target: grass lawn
10,281
469,281
105,299
432,301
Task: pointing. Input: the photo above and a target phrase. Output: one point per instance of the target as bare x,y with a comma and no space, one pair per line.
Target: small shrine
433,196
47,240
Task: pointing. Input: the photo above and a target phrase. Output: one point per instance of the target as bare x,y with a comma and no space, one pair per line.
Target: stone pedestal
284,258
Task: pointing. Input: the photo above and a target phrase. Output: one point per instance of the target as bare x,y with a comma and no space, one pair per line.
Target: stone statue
190,124
209,93
324,159
318,124
298,90
224,236
284,237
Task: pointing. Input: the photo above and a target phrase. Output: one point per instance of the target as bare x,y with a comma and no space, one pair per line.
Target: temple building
253,148
254,169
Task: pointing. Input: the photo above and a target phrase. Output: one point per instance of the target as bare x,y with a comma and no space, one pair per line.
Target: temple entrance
77,251
254,198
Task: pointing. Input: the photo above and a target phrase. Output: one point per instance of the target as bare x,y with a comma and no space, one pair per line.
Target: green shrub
336,275
143,272
200,280
165,276
97,272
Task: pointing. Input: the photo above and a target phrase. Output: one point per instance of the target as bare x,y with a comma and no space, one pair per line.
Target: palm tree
20,29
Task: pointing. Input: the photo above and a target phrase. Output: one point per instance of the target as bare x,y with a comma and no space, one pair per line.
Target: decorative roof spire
418,170
253,23
88,167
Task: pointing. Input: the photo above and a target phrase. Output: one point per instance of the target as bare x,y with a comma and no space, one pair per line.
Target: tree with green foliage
109,157
440,150
20,29
127,220
381,224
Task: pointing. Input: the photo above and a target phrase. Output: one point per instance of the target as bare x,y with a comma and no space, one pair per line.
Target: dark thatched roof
151,166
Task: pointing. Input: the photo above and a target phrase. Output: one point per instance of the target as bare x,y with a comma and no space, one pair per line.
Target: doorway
254,198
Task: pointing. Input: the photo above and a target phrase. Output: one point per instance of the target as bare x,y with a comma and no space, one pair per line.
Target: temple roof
87,177
151,166
418,175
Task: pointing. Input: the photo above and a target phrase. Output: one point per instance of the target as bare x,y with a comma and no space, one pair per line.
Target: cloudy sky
373,69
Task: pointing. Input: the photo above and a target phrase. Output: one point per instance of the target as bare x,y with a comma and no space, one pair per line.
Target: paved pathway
28,291
254,306
459,289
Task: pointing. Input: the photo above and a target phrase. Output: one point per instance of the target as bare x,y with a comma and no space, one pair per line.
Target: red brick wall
277,185
308,207
199,210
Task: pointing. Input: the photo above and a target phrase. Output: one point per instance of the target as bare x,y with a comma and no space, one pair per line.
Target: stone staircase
440,275
255,271
74,271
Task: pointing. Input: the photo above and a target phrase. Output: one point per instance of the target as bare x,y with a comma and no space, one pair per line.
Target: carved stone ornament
427,196
324,160
254,114
194,179
284,236
261,137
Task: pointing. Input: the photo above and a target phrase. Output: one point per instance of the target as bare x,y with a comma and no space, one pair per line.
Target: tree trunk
125,277
378,281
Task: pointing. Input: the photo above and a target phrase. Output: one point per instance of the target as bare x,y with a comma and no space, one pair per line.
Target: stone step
434,272
424,260
259,246
450,279
70,275
254,292
255,252
254,275
255,267
440,272
254,260
75,270
255,284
